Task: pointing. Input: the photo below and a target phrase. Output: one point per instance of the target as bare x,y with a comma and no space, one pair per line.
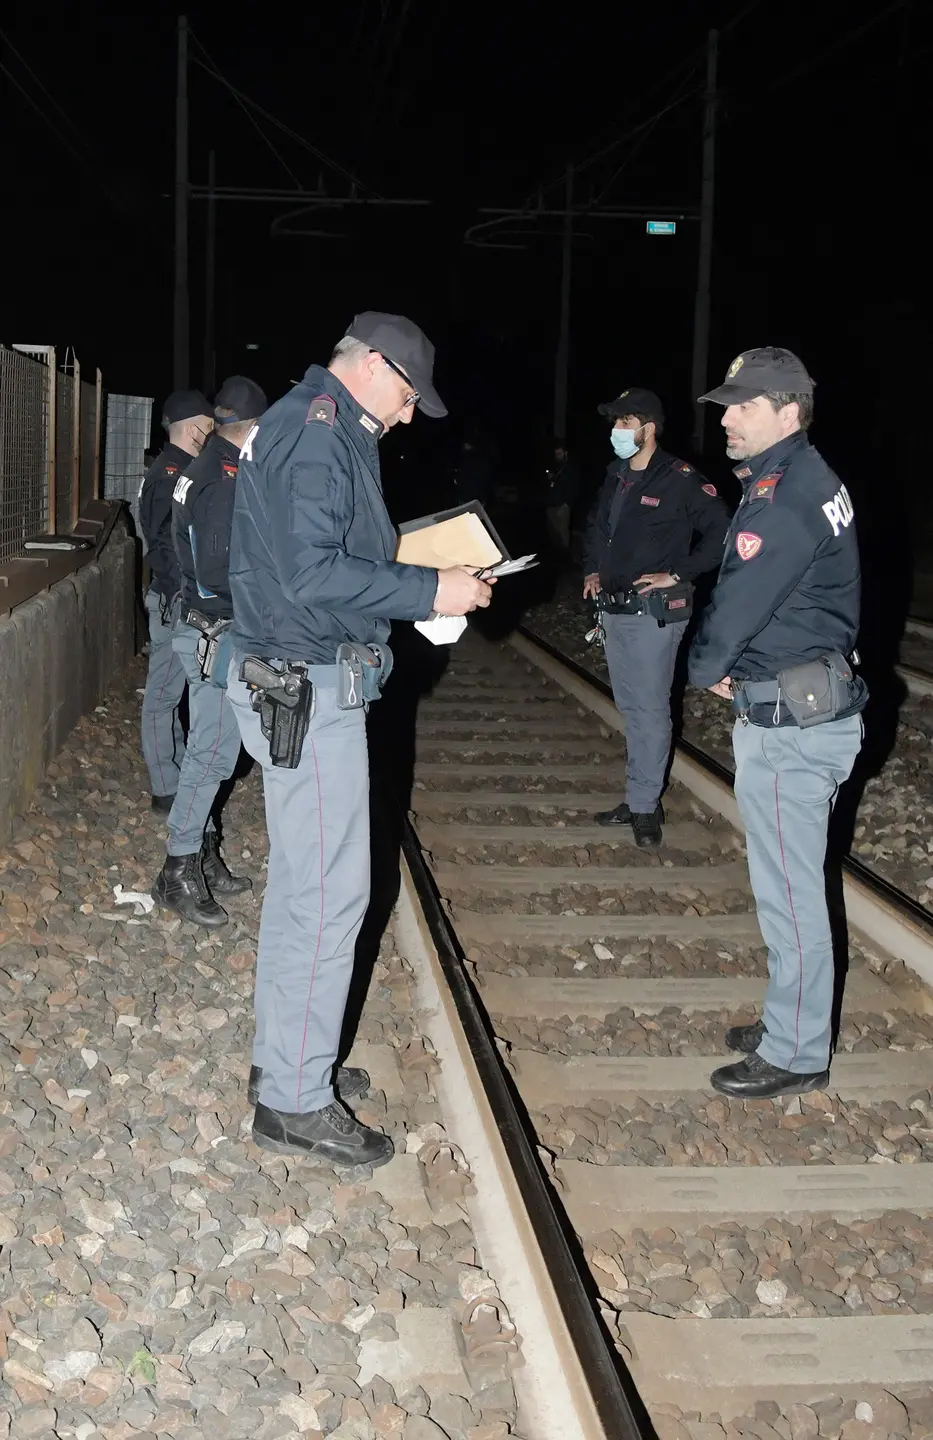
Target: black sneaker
647,829
621,815
219,878
180,886
162,804
755,1079
745,1038
350,1081
331,1134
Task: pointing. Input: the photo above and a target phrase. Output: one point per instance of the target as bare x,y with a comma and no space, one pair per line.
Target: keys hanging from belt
597,636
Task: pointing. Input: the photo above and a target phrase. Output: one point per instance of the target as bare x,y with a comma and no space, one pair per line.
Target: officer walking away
640,570
777,641
194,872
562,482
314,587
186,418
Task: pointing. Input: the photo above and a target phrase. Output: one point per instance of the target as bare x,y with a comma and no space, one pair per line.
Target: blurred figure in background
562,485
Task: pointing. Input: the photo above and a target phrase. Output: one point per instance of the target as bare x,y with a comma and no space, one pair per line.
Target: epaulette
322,410
763,489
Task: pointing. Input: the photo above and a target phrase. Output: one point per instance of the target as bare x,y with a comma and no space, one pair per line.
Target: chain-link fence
129,424
27,426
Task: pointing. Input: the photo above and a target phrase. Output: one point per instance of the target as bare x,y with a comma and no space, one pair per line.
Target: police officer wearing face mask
194,873
186,419
777,641
641,559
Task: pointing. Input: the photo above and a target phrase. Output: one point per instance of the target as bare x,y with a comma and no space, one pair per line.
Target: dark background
820,241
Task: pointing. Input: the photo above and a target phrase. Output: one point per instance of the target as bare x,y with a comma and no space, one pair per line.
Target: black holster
209,643
284,702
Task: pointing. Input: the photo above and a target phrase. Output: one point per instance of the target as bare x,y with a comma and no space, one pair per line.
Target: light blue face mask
623,442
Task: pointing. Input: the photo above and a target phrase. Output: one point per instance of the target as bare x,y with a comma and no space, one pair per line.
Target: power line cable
286,129
82,159
251,118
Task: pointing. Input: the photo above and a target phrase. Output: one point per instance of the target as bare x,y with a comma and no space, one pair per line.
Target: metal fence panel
129,423
90,442
65,441
24,437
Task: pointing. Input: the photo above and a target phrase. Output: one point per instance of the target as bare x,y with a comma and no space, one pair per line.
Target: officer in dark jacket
186,417
640,568
314,586
561,485
194,872
776,641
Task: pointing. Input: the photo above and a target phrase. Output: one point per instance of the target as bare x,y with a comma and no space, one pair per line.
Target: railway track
916,668
730,1258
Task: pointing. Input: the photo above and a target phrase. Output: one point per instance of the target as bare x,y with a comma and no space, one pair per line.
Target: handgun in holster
209,643
284,702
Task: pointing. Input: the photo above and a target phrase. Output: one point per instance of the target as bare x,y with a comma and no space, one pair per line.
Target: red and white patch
650,500
686,469
229,470
709,490
747,543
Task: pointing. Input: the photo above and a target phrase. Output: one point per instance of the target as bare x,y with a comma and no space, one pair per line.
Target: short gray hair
350,350
779,398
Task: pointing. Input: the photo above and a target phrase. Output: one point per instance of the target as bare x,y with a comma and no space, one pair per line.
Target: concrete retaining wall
60,653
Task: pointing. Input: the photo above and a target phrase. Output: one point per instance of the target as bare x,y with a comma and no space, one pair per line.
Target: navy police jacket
202,514
155,517
789,587
644,522
311,549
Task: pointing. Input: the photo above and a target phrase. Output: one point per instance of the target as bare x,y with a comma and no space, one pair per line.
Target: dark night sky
823,157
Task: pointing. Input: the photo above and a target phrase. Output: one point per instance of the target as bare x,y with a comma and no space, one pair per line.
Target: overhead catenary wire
215,70
299,139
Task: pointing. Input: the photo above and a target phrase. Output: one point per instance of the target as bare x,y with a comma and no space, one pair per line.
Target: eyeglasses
415,396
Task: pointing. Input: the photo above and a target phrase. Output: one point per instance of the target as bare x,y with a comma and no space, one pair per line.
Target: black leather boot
214,868
180,886
332,1134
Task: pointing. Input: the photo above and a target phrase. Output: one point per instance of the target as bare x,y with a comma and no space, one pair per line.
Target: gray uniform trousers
786,780
163,740
641,655
212,753
317,893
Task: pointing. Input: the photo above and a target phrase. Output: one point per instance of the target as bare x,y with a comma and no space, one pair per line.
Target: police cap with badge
643,403
769,368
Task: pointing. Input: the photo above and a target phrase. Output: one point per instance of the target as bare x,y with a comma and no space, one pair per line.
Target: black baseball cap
755,371
243,397
635,402
184,405
401,341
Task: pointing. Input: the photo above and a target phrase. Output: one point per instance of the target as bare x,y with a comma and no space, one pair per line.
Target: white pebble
771,1292
90,1058
602,952
864,1412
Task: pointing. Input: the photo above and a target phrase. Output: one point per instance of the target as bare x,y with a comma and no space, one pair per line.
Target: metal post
51,436
182,358
209,376
76,445
704,268
562,363
98,408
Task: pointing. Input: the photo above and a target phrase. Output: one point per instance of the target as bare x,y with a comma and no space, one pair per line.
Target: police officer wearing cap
186,418
314,586
194,872
641,559
777,640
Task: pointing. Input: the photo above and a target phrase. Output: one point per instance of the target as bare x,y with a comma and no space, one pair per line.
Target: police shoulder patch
322,410
743,473
709,490
229,470
686,469
747,544
171,469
